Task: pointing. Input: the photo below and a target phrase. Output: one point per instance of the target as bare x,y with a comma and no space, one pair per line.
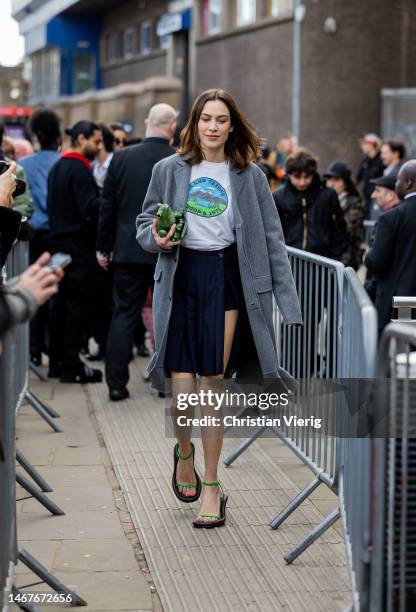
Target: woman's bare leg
212,437
183,382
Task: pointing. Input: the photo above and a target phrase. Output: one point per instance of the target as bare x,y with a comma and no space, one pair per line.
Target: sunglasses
120,141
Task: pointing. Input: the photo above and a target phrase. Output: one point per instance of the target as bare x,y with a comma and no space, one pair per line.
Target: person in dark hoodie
312,220
311,216
73,201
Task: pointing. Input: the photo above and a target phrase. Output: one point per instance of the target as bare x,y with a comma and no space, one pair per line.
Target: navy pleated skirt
207,283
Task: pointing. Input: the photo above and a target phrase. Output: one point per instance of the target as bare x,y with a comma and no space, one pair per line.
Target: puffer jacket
312,220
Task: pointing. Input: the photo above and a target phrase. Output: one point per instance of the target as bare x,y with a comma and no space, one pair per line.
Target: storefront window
281,7
145,43
246,12
45,81
211,16
128,43
112,47
83,74
214,16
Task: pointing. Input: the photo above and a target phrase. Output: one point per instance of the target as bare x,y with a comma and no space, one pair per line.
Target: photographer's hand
39,280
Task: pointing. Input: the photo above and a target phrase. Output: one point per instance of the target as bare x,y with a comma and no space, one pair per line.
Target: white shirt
100,171
410,195
209,215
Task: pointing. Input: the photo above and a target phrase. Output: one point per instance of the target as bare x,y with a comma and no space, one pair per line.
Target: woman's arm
146,222
284,288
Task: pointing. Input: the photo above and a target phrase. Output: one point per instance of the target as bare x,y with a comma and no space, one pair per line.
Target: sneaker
82,375
116,395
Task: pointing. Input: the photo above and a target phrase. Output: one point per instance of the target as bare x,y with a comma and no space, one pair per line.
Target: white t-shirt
209,214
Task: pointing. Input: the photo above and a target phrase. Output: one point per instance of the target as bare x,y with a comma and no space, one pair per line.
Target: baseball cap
371,139
338,169
81,127
389,182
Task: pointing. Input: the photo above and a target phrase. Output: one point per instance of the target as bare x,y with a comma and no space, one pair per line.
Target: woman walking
213,310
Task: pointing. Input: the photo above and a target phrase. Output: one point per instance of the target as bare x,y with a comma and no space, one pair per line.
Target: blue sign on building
78,40
174,22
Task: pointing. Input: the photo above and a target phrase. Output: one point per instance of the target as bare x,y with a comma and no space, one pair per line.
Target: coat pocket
262,284
158,273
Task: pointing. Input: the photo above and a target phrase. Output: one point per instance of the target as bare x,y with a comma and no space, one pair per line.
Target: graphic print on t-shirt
206,198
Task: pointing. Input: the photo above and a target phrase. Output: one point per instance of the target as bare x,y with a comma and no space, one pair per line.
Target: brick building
86,50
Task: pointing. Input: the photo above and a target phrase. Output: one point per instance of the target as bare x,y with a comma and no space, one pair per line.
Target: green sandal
221,517
188,485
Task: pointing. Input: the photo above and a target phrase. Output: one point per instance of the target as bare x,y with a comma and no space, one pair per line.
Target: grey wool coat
263,261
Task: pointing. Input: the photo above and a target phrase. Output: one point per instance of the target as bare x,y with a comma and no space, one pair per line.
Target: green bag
166,217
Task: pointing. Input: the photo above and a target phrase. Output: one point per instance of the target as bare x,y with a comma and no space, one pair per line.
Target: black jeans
131,283
39,324
68,310
100,287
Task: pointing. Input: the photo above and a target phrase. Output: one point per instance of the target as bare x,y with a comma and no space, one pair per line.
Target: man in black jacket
125,188
392,256
72,204
386,198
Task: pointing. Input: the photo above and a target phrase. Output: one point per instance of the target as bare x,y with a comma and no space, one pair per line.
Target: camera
20,185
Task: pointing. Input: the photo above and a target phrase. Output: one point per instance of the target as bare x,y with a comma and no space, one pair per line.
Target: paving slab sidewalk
127,544
94,548
240,566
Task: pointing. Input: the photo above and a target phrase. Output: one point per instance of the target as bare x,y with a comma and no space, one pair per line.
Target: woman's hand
40,281
7,186
166,242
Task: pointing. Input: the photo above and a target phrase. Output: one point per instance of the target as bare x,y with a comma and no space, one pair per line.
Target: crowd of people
83,199
96,201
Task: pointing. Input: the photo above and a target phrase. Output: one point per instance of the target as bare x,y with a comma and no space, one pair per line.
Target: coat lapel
237,180
182,178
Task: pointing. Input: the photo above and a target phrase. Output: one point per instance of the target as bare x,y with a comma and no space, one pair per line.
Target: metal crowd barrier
14,389
392,584
14,363
313,352
404,307
358,357
338,341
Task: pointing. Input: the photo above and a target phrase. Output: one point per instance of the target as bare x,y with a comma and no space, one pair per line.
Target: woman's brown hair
243,143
